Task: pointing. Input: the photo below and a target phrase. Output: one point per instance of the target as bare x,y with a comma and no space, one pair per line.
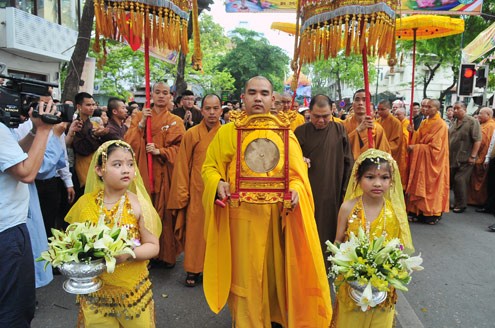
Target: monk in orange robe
429,182
167,130
357,128
187,186
265,262
477,188
395,137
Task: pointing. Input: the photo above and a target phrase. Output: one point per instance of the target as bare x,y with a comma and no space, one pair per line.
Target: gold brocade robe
348,314
187,186
269,265
477,192
167,130
428,183
359,141
298,121
398,147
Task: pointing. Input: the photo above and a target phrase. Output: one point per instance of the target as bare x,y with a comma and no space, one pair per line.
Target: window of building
27,75
68,16
69,13
48,9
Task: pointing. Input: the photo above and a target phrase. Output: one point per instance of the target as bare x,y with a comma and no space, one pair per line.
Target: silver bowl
356,291
83,277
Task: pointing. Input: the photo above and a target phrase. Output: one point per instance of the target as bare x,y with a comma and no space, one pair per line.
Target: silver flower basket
356,292
83,277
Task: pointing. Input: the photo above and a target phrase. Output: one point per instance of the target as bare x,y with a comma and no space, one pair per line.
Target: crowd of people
170,191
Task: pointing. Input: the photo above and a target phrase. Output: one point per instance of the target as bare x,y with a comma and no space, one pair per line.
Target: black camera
66,113
17,96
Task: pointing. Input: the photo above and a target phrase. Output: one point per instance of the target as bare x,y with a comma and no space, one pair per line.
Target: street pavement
456,289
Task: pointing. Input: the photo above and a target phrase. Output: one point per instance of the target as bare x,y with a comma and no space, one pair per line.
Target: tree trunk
75,67
339,88
427,78
180,83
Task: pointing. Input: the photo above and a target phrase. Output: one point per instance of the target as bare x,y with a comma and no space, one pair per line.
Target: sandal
431,220
413,219
192,279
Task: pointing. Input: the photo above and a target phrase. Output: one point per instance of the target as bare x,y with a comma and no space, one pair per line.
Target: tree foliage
123,70
253,55
339,71
214,46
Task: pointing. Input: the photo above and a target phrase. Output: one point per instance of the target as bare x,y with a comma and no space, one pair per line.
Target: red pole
367,92
149,138
411,122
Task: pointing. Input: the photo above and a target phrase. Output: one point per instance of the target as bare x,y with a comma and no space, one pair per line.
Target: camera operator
17,286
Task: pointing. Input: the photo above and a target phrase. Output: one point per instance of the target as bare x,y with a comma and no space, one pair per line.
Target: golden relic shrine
262,161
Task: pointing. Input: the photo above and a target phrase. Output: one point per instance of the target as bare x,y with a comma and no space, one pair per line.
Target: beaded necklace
367,224
115,214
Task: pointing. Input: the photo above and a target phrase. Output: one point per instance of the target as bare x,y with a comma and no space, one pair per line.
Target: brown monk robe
186,199
428,185
167,130
477,188
324,142
357,128
395,137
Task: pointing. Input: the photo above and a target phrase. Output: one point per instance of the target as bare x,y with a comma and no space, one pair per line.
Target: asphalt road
456,289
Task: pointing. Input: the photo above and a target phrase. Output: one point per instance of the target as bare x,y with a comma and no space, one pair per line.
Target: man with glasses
189,112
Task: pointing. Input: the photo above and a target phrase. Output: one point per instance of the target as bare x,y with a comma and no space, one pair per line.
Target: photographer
17,288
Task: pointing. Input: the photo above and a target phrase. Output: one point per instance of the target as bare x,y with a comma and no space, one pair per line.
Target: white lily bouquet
83,242
376,264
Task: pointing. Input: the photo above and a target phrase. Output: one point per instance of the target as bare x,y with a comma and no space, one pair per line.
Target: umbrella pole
367,92
149,138
412,84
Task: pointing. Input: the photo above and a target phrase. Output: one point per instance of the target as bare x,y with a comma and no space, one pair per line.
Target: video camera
20,94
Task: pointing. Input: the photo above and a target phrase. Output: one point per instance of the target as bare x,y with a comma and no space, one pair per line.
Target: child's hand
123,258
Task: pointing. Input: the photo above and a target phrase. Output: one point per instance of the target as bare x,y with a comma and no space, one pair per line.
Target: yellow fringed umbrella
332,27
159,23
423,27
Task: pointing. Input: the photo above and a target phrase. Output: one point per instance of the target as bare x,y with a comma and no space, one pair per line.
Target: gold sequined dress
348,313
126,293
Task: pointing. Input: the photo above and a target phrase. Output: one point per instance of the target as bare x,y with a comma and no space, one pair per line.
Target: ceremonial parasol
161,23
353,26
425,27
289,28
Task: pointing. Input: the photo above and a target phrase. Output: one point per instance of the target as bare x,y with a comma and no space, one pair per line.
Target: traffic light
467,76
481,76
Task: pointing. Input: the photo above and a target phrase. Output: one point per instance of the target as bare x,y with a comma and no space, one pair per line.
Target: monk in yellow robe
429,182
296,119
167,130
187,186
477,188
357,128
266,261
395,136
